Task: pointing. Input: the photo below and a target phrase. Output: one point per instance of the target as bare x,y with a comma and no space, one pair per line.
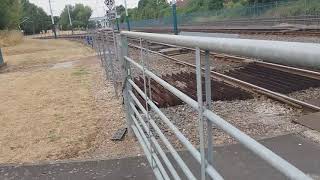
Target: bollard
1,59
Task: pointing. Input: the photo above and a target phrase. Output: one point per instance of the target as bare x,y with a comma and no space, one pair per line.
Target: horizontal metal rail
305,54
194,152
274,160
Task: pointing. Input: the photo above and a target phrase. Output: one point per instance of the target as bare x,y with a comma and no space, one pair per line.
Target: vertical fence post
111,64
105,62
208,106
174,15
1,59
200,112
126,85
147,115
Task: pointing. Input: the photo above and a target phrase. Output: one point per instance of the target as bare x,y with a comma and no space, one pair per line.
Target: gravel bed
162,66
282,38
260,118
215,64
157,64
306,95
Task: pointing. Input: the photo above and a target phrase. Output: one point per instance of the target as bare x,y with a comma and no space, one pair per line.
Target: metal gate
145,128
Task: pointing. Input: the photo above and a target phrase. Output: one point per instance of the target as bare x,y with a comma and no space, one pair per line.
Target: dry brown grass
35,52
10,38
52,113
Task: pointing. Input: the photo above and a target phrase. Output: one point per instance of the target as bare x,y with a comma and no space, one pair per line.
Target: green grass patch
80,72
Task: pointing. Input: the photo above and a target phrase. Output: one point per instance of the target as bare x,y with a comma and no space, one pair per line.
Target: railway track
271,80
308,32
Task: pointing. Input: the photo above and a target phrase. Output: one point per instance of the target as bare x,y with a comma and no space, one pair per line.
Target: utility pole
52,20
174,15
127,17
70,19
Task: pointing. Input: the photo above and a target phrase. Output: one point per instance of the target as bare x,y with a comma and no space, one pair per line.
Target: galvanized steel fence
161,154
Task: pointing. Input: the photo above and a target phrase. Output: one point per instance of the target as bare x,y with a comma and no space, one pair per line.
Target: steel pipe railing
274,160
294,53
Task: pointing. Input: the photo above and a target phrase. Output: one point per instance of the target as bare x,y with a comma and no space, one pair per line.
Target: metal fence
104,41
272,13
153,140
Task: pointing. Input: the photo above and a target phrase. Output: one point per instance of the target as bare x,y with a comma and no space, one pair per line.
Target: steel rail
247,86
273,159
280,67
305,54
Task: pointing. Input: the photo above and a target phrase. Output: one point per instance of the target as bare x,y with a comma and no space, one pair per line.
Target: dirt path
55,104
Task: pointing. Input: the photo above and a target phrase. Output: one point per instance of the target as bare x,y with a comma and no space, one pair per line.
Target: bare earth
55,104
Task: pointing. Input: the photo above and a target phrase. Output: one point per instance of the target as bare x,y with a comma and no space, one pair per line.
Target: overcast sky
97,6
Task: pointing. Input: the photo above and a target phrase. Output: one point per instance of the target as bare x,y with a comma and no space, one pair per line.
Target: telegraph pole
127,17
52,20
70,21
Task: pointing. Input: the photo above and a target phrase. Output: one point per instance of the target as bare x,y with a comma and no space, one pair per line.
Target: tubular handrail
295,53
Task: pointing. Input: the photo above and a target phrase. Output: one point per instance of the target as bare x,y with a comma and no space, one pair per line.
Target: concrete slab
311,121
129,168
233,162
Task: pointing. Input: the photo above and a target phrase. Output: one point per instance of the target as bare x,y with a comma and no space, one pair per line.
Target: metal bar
194,152
200,111
115,45
208,106
145,92
174,153
126,86
145,150
105,62
274,160
155,142
305,54
112,70
153,156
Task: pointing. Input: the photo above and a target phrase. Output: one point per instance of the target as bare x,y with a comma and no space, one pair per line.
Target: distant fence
273,11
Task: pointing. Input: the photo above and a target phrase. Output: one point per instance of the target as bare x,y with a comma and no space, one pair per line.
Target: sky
97,6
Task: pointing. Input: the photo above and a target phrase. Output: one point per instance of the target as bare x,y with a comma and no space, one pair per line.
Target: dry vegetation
49,103
33,53
10,38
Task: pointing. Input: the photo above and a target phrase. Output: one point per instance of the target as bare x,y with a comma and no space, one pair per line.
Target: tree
34,19
10,13
79,13
215,4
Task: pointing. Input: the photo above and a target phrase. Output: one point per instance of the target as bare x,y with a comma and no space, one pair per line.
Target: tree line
26,16
152,9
